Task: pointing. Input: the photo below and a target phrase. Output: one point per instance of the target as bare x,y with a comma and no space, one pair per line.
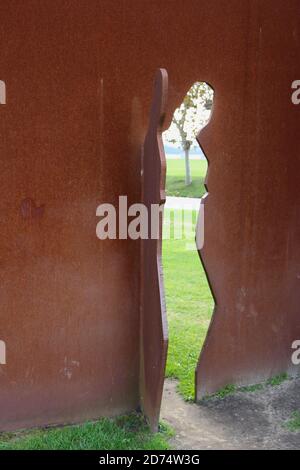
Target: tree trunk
188,178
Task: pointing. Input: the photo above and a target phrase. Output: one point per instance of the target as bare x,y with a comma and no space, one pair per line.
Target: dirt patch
243,420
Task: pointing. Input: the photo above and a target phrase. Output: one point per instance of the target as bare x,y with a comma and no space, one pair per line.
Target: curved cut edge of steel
154,331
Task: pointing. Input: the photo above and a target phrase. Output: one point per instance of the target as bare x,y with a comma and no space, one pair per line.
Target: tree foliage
189,118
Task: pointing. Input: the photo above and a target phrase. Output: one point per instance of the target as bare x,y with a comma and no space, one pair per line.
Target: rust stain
29,209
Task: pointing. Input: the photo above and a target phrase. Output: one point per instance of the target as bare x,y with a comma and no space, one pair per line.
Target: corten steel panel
154,335
252,212
79,82
69,304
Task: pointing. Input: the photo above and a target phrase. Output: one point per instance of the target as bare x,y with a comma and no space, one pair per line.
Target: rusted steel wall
78,89
252,214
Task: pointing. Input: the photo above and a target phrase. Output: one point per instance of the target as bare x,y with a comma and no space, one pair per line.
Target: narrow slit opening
188,296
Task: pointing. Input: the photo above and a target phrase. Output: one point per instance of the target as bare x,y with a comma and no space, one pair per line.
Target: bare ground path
243,420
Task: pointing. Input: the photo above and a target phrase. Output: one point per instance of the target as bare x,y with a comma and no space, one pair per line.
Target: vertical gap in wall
188,296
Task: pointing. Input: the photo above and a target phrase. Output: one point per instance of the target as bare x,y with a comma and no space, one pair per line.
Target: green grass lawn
189,309
175,183
188,297
124,433
293,424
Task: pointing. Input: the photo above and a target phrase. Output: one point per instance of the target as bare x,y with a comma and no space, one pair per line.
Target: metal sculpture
78,90
154,335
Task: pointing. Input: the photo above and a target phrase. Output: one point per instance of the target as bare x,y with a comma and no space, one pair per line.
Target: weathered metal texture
252,212
154,335
78,81
69,302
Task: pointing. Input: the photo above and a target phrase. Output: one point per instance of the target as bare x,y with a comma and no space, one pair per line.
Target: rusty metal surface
154,335
252,212
69,309
78,89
